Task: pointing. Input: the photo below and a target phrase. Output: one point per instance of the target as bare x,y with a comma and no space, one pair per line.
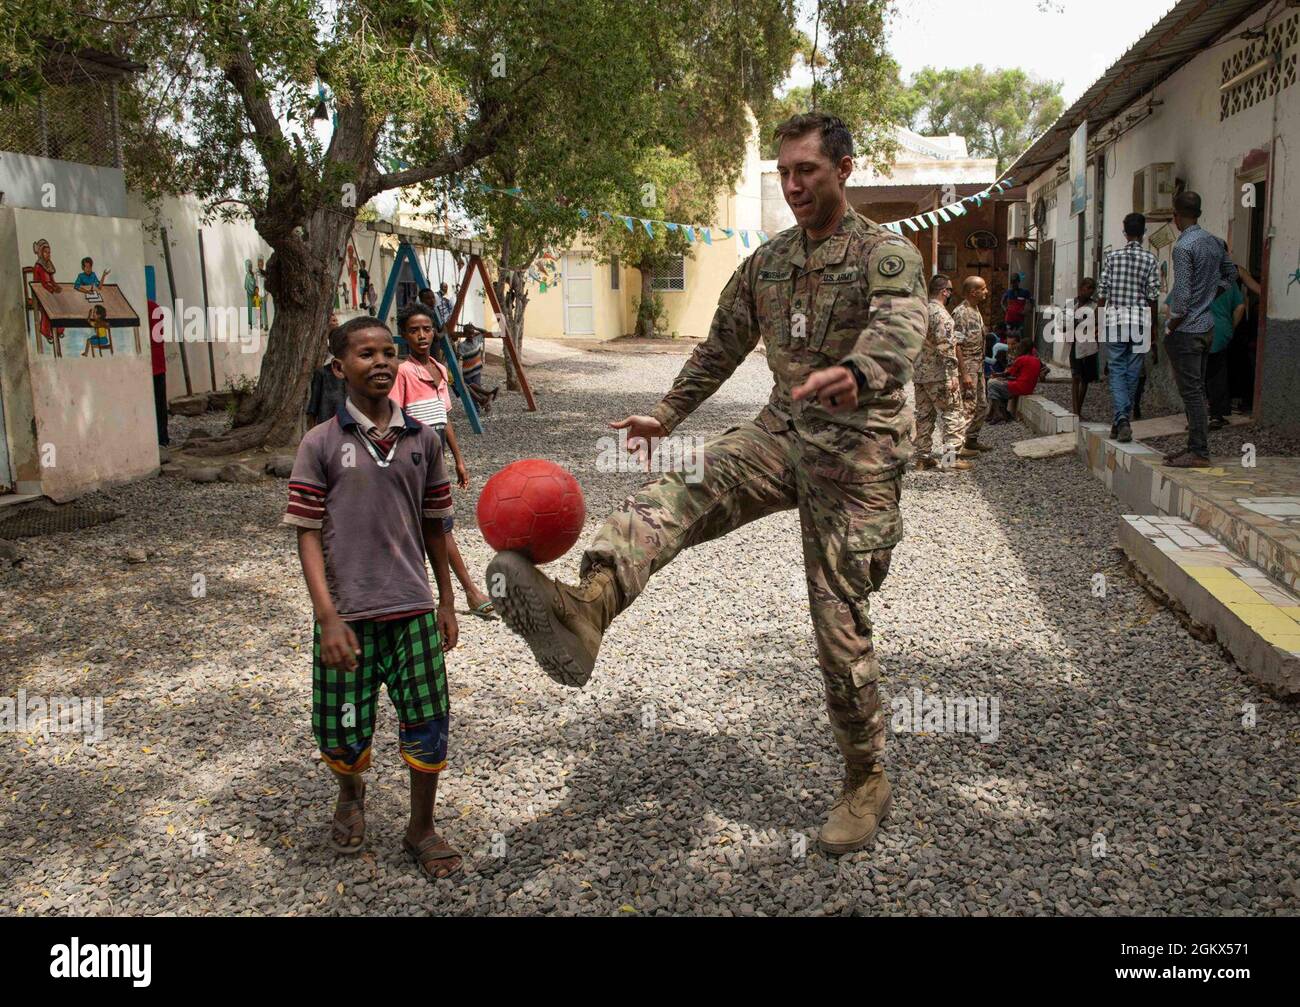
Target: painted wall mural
77,318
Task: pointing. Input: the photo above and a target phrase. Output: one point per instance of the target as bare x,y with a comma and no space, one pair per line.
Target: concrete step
1045,417
1254,617
1252,509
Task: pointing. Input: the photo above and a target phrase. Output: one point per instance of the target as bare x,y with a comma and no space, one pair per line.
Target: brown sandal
347,816
432,849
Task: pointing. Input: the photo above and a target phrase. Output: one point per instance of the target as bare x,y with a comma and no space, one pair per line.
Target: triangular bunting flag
583,214
690,232
910,222
728,232
943,214
649,229
708,238
762,236
744,238
670,225
933,218
628,222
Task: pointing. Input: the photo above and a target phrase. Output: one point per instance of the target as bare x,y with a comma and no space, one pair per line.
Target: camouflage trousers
848,530
975,403
935,399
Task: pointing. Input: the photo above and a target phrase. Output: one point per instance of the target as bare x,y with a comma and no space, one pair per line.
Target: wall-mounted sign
1079,170
982,240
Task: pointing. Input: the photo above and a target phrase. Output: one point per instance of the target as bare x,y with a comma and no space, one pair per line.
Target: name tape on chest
775,274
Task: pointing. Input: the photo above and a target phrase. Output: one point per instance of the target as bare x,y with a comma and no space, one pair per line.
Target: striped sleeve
306,507
437,487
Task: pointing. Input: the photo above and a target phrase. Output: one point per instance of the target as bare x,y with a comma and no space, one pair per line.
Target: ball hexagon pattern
532,506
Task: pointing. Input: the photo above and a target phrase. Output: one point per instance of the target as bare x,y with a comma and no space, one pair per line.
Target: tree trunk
309,246
645,316
513,294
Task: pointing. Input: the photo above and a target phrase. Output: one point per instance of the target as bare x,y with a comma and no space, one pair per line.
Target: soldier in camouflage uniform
970,342
937,383
840,305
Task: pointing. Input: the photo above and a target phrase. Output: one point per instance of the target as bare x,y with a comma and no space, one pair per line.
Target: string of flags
692,232
942,214
696,232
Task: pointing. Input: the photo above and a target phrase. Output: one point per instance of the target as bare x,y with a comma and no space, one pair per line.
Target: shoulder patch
891,265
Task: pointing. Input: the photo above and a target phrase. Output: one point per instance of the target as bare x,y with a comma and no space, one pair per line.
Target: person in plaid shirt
1129,289
368,495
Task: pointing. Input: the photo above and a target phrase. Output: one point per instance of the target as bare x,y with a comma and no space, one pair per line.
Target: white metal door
579,314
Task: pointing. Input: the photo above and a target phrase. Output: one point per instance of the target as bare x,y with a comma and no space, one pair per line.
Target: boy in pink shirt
423,392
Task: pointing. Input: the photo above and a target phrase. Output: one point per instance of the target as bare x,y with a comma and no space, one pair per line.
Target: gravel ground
691,775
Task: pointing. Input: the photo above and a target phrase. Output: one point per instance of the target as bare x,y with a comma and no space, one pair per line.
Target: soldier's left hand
835,389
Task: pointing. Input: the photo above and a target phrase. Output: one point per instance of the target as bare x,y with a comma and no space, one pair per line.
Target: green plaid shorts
406,656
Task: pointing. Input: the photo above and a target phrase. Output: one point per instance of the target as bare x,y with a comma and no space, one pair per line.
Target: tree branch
475,149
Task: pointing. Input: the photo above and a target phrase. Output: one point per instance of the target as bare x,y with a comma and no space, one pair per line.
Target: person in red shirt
156,351
1021,378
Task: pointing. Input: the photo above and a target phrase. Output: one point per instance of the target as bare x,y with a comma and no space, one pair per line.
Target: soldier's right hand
643,433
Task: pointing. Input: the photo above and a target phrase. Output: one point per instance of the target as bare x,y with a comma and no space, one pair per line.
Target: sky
1074,41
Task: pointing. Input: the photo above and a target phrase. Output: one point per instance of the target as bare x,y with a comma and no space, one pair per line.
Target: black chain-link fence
73,122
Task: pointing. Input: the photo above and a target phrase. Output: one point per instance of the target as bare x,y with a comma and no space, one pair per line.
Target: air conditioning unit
1153,191
1018,221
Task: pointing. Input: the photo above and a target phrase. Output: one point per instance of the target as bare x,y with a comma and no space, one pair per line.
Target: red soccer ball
534,507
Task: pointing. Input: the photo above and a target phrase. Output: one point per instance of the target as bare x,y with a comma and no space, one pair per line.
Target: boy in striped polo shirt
368,495
423,392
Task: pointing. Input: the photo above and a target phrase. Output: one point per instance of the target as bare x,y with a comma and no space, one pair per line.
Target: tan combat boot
864,803
562,624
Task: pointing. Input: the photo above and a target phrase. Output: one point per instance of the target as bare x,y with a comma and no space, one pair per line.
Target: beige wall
74,423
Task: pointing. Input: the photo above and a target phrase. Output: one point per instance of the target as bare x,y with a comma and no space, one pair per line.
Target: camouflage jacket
860,299
937,361
970,333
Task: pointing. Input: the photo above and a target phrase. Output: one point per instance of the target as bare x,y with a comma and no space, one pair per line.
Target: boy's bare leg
424,793
351,788
473,596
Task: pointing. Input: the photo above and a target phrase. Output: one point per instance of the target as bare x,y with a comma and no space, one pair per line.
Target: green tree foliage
999,112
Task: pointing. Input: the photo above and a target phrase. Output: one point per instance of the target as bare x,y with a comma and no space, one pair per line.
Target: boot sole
523,607
867,840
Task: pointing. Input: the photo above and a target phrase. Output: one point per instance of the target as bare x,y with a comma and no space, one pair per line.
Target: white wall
1206,153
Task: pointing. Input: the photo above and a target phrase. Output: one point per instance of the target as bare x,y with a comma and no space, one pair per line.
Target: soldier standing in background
970,339
937,381
840,305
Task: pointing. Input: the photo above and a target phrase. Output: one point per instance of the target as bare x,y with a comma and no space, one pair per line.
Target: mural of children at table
264,295
44,275
87,282
103,336
251,293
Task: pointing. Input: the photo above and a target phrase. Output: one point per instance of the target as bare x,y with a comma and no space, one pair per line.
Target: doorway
579,312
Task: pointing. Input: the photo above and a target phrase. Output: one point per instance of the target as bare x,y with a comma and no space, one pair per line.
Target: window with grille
670,276
1267,82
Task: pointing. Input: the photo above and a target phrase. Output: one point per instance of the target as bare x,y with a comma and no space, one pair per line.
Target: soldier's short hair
837,142
970,283
1135,225
939,283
